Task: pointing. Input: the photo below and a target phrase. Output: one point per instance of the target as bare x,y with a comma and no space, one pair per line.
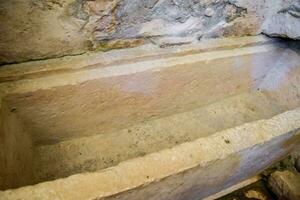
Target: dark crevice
293,10
42,59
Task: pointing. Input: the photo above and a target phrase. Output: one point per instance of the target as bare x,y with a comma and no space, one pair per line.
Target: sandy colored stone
243,26
145,52
33,30
94,153
101,121
253,194
148,86
181,167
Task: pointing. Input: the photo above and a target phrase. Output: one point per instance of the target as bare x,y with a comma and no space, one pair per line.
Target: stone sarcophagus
177,123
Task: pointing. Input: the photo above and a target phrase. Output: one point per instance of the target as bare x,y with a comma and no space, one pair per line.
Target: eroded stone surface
32,29
285,184
36,29
283,20
188,171
63,106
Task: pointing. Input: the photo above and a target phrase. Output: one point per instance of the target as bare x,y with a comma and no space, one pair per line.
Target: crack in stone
293,10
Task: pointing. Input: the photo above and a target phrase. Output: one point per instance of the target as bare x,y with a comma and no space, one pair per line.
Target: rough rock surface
285,184
35,29
296,156
284,20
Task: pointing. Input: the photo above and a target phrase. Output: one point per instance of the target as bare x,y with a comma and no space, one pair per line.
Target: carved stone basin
147,123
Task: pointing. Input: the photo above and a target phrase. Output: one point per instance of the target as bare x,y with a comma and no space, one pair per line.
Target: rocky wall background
41,29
